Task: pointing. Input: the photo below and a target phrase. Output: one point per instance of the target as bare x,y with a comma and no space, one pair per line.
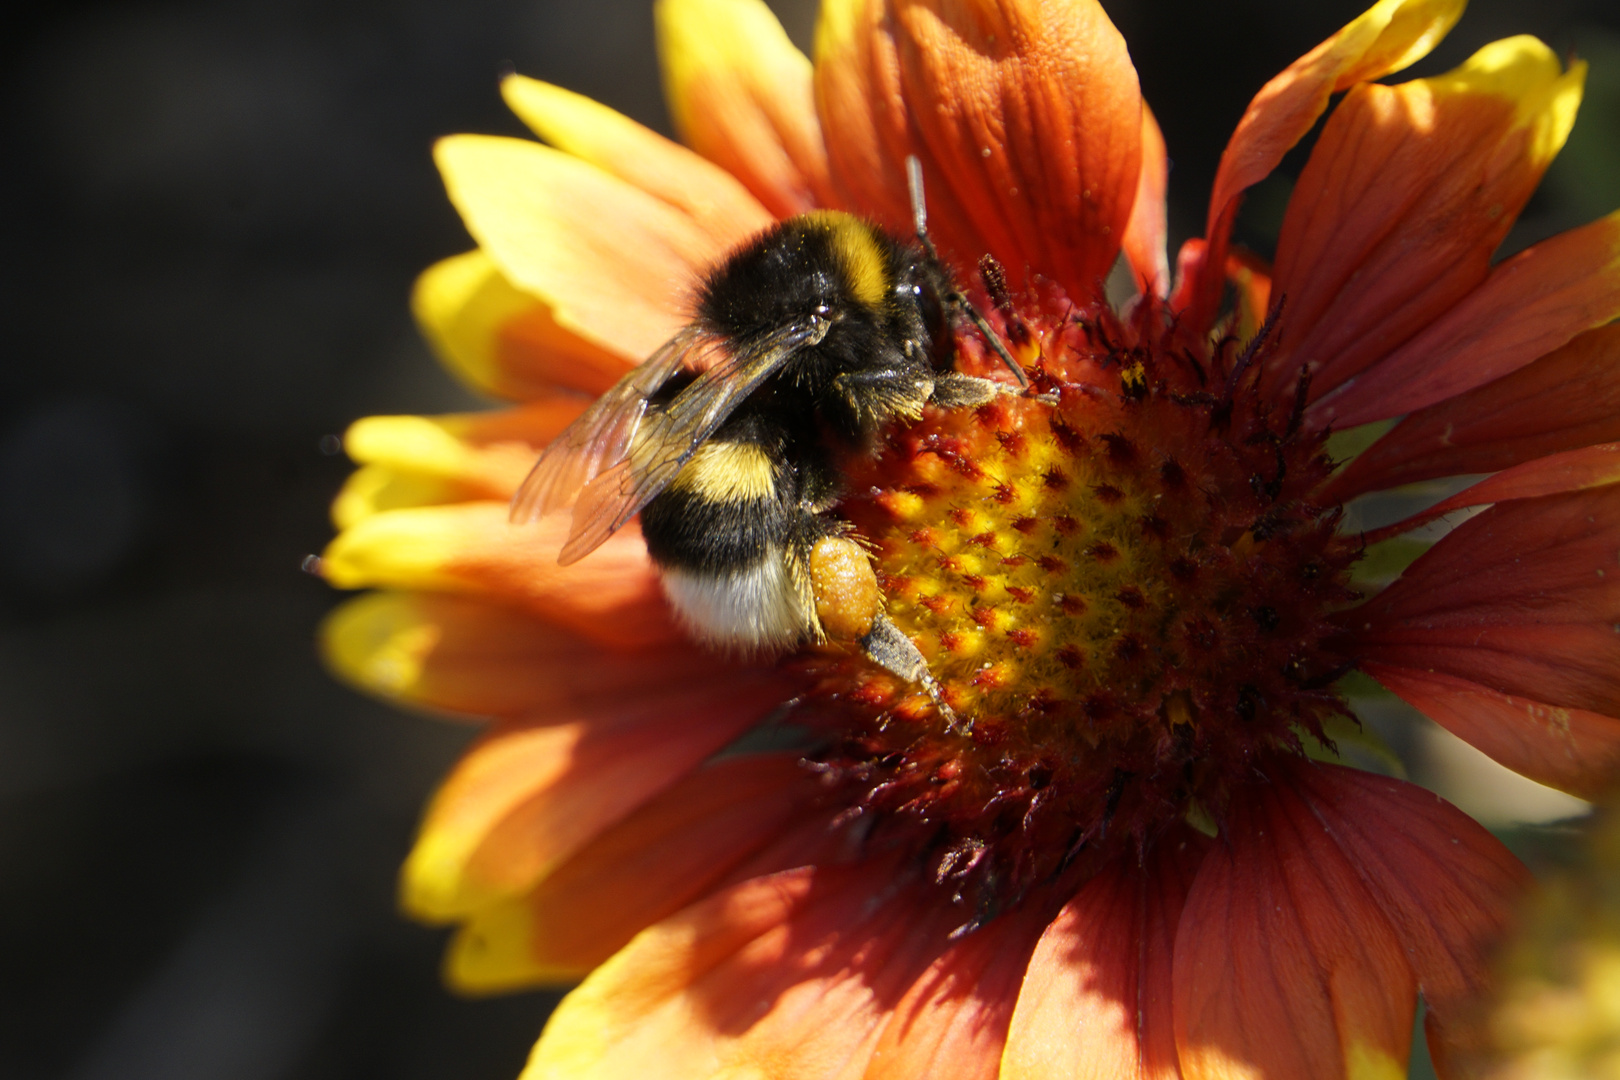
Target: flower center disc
1122,590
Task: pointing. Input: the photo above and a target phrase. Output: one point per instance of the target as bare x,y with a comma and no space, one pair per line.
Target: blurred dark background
215,211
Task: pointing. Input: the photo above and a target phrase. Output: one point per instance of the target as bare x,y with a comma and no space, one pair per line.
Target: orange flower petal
953,1020
1190,273
616,264
1389,36
1448,887
1573,470
1530,305
742,96
482,659
1096,1000
528,795
789,977
1407,193
1031,114
467,457
1520,599
613,596
1568,398
1574,750
1285,965
1569,666
864,114
639,872
591,131
1250,276
1144,240
532,424
376,489
814,840
501,340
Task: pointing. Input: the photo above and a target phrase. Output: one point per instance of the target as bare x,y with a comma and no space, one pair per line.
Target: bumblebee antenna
919,209
954,297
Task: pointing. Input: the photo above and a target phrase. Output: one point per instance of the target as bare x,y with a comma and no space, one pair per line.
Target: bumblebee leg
877,394
956,391
891,650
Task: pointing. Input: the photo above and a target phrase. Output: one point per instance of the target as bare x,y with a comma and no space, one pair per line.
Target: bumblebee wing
668,437
600,437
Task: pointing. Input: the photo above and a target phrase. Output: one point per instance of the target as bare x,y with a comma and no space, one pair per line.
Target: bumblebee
807,340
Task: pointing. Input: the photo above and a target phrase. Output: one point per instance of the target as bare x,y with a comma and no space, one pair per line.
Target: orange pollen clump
1121,586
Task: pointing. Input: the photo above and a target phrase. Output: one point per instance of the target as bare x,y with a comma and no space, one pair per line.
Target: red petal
1566,399
1285,965
1448,887
1573,750
1190,276
1568,666
863,115
1407,193
953,1021
1025,116
1530,305
1521,599
1096,1000
1575,470
1250,276
1032,114
1385,38
1144,240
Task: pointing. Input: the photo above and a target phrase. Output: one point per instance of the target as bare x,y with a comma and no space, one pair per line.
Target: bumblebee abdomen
728,507
731,566
761,608
686,531
730,536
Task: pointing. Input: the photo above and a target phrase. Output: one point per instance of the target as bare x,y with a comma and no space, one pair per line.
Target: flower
1133,583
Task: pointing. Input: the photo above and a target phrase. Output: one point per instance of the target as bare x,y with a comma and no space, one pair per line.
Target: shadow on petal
790,976
529,794
1097,998
1285,964
661,858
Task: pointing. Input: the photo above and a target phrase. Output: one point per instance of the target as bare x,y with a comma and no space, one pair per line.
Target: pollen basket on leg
1123,593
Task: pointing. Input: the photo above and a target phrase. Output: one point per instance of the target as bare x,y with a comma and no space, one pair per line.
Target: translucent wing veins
601,435
617,457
